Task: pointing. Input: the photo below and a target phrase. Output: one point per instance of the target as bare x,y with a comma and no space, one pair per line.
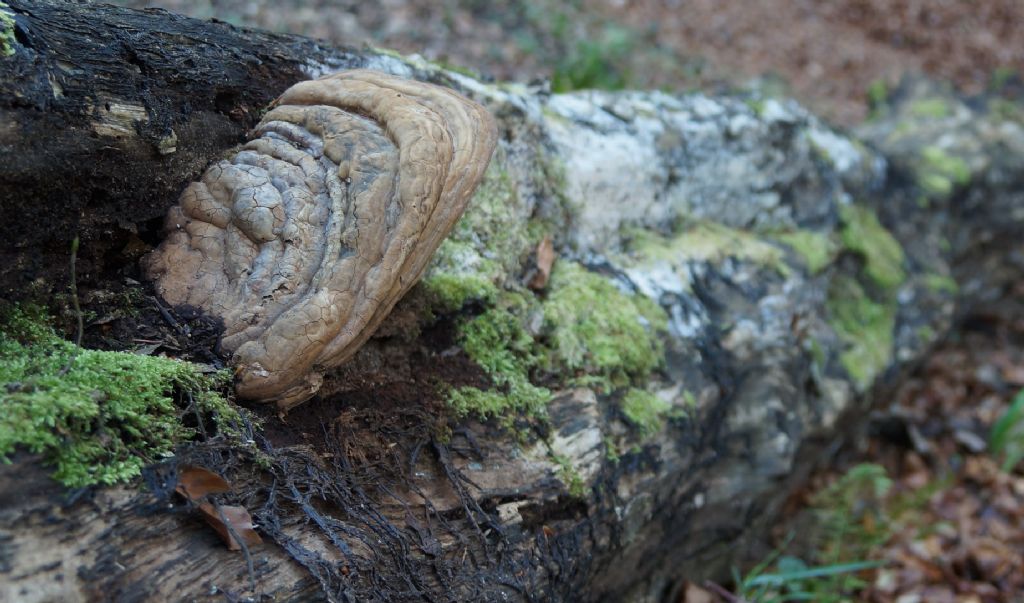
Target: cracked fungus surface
305,239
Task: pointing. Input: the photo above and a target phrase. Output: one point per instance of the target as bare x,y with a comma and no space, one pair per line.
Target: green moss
570,476
930,107
472,265
816,249
863,234
492,229
450,292
756,105
486,246
865,326
878,97
600,334
460,257
107,415
7,40
611,451
460,69
941,283
644,410
520,396
689,399
592,333
939,171
497,342
935,184
707,242
926,334
388,52
492,218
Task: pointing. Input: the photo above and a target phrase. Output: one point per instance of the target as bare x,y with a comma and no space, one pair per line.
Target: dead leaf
1014,375
237,518
147,349
545,259
938,594
196,482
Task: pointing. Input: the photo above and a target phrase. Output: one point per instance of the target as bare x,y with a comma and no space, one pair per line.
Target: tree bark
369,492
107,111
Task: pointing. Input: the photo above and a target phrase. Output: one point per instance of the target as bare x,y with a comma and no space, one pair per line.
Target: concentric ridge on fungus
305,239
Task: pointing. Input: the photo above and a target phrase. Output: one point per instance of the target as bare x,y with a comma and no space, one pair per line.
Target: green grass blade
814,572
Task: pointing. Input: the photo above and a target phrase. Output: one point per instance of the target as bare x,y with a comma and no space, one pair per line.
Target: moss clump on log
97,416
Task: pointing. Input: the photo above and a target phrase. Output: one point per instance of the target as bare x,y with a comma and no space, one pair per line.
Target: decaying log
754,228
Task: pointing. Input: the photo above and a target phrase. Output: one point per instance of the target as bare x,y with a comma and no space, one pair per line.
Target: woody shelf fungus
305,239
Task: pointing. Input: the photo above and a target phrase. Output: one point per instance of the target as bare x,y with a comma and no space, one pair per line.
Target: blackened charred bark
105,113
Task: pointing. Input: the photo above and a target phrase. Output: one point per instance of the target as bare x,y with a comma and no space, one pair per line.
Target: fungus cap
305,239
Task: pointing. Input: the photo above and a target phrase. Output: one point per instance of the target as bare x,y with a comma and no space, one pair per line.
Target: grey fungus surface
306,238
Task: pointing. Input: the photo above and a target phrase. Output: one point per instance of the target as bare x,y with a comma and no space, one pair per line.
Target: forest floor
925,497
927,494
827,53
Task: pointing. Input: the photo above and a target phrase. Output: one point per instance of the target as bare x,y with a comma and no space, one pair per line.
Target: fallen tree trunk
718,312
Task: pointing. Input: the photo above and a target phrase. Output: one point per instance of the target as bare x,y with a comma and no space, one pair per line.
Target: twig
166,315
78,310
199,416
241,544
721,592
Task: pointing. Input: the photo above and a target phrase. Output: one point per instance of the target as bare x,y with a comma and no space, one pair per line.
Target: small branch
721,592
241,544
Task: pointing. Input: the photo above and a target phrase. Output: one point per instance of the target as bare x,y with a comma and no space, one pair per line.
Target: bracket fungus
305,239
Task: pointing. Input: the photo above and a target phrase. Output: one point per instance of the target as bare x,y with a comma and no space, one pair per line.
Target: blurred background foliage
830,52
